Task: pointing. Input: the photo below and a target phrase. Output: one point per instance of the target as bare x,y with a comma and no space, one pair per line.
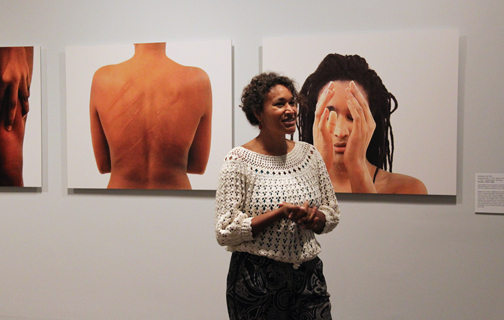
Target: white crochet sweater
251,184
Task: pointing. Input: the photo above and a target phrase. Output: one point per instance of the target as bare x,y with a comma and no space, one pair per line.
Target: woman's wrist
361,181
319,227
357,168
264,220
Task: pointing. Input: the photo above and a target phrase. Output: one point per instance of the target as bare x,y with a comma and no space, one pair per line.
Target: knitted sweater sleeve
329,206
232,225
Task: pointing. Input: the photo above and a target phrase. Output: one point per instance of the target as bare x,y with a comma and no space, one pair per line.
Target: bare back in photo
151,120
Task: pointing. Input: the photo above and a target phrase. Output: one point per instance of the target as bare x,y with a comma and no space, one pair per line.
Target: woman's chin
338,158
290,130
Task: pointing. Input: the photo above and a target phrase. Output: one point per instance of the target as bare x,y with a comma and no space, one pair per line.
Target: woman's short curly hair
255,93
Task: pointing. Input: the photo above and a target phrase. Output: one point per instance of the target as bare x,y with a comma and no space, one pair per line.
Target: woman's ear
258,116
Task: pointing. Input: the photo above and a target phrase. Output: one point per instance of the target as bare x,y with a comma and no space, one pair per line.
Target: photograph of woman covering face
380,107
345,113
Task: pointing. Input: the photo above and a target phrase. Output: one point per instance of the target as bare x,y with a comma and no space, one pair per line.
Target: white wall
152,255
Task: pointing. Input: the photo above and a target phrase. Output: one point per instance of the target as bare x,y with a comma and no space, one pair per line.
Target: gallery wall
101,254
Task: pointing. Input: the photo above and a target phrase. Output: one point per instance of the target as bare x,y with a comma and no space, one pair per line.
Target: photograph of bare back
152,116
20,100
380,108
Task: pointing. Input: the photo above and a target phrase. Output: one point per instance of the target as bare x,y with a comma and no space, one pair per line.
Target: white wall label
489,193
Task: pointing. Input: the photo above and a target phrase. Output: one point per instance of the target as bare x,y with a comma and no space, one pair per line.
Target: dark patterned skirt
262,288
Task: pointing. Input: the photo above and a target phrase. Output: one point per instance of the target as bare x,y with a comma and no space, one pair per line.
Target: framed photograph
420,69
21,126
148,115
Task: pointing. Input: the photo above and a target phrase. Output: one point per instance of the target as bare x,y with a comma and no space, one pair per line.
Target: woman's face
344,120
280,111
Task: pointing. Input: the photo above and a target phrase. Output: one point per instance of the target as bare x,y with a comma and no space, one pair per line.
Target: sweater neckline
256,154
295,158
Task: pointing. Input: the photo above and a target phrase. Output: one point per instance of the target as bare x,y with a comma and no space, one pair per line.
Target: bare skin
16,67
11,150
278,119
151,121
342,130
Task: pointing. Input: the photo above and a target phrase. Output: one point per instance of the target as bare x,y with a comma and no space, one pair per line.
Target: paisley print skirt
260,288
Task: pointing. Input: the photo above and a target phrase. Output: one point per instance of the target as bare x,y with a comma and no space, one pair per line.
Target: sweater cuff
332,220
246,230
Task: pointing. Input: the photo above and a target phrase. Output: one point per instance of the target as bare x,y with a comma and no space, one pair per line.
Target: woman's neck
274,145
340,177
150,49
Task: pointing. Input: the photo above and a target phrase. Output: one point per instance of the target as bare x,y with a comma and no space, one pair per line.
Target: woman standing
273,196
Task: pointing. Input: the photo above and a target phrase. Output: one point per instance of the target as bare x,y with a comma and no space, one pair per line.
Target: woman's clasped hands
308,217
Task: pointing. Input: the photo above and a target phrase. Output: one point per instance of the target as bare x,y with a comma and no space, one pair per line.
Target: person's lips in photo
339,147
